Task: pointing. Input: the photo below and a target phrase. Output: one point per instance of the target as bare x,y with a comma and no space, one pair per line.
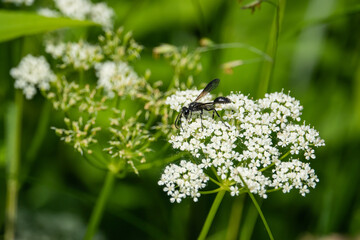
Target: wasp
196,106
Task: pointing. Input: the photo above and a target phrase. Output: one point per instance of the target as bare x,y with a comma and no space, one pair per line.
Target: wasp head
185,111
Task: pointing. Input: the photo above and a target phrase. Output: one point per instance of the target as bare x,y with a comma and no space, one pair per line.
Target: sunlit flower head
31,73
86,10
259,147
79,55
20,2
77,9
47,12
102,14
116,78
183,180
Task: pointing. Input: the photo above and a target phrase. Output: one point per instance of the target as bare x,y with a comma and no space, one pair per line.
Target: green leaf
16,24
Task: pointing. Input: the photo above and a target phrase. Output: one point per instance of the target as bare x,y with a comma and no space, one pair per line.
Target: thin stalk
13,133
271,49
81,77
41,130
261,215
249,223
100,206
36,141
211,214
210,191
235,217
259,210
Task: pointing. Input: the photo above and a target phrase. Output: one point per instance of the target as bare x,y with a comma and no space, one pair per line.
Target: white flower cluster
83,10
32,72
20,2
116,77
183,180
294,174
262,135
80,55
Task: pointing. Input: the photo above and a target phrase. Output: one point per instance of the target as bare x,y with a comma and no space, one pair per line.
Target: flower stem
13,133
261,215
235,217
81,77
258,209
100,205
211,215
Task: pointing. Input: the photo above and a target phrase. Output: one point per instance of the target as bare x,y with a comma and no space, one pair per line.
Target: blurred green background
318,60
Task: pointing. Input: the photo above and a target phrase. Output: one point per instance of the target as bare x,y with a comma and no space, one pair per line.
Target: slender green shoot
259,210
98,210
13,133
211,214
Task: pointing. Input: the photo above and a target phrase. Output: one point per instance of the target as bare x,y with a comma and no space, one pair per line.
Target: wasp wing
211,86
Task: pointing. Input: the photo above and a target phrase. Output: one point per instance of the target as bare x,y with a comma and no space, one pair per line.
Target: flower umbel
265,146
32,72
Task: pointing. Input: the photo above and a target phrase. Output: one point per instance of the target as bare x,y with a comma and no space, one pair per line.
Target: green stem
36,141
100,206
271,49
258,209
211,215
81,77
13,133
235,217
211,191
261,215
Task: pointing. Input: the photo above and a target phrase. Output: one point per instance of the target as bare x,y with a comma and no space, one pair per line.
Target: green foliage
19,24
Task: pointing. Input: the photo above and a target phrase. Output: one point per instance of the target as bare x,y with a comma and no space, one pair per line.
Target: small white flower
47,12
183,180
20,2
32,72
85,9
116,78
102,14
77,9
80,55
257,137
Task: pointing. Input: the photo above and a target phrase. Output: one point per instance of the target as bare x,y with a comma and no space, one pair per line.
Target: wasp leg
201,113
219,117
189,117
178,120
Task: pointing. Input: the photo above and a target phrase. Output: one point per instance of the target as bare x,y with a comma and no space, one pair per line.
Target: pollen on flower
32,72
260,147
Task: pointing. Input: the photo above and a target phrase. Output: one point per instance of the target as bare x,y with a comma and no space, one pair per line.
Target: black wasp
200,107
